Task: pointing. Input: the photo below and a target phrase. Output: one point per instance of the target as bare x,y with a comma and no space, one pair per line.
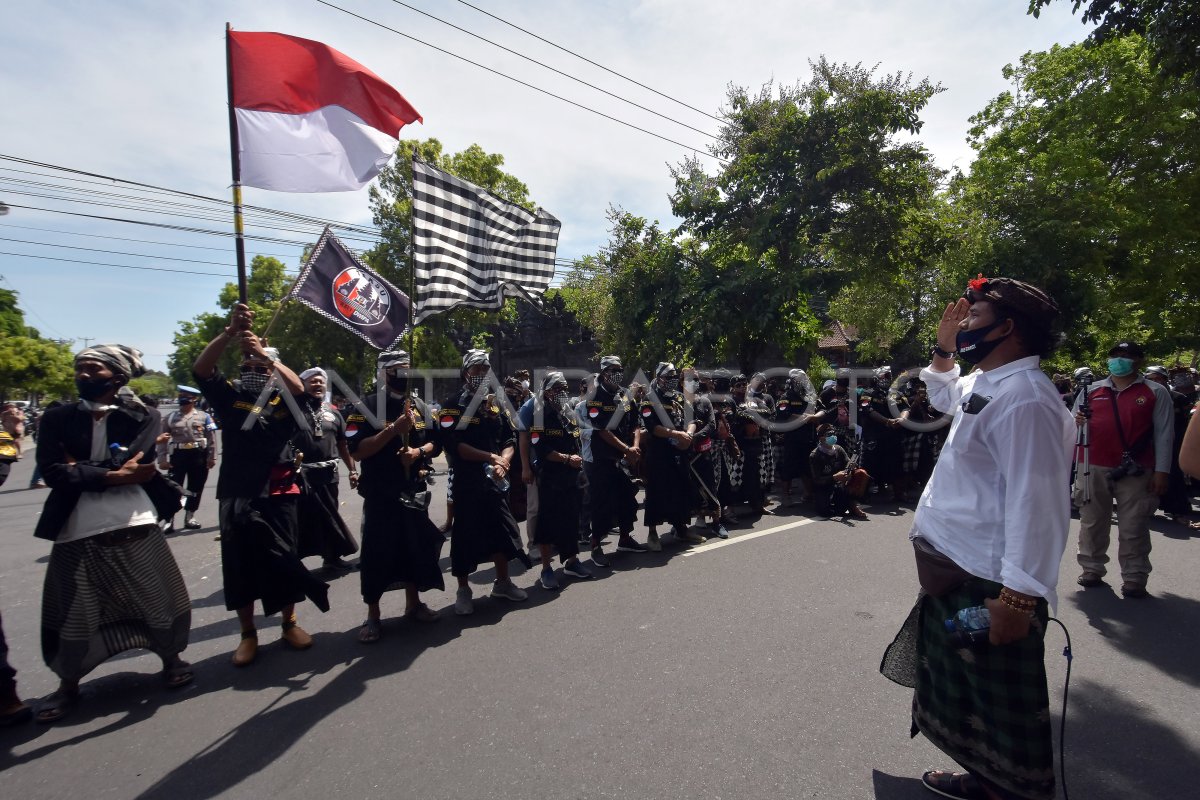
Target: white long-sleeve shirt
998,502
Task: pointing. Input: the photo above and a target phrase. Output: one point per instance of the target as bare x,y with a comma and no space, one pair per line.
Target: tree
35,366
811,172
1171,27
154,384
1085,183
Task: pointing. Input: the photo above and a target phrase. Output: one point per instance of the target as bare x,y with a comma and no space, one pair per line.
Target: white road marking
714,545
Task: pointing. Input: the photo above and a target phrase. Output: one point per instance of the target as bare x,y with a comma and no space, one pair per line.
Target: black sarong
258,555
400,547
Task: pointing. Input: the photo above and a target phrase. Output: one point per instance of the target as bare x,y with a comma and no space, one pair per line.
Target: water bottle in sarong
118,453
970,626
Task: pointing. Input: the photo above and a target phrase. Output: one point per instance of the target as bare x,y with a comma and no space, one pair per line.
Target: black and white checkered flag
473,248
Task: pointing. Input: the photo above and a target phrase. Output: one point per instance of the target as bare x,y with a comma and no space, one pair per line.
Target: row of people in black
696,452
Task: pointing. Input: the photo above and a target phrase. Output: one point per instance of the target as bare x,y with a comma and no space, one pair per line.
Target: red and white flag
309,118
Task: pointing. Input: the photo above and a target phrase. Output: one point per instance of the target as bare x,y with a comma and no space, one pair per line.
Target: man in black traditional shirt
322,442
480,443
667,421
400,545
616,441
257,487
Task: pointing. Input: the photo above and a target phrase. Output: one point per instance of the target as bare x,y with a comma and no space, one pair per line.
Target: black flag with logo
339,287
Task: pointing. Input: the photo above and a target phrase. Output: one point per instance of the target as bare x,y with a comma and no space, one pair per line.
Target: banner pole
236,162
412,269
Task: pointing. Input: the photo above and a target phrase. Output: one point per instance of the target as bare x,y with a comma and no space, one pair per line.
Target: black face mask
398,383
970,344
92,389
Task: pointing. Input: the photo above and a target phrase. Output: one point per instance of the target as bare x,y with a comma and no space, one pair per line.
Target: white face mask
691,386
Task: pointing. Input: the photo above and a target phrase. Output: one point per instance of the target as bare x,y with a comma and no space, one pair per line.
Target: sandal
370,631
957,785
178,674
56,706
19,713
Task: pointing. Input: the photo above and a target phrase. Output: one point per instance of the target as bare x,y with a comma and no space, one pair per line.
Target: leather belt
124,535
190,445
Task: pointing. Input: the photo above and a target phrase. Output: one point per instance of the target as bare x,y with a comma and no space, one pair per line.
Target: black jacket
65,434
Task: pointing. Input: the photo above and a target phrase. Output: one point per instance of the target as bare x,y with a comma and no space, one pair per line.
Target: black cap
1132,349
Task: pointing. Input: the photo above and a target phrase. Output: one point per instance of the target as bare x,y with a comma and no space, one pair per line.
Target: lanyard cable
1062,730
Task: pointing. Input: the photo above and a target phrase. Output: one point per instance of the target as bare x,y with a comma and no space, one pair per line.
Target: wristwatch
940,353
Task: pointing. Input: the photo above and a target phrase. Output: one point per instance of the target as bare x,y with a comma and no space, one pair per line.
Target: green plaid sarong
988,708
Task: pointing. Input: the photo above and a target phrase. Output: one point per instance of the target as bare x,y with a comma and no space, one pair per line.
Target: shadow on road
1158,630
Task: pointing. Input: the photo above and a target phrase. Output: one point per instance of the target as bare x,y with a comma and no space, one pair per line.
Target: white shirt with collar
998,502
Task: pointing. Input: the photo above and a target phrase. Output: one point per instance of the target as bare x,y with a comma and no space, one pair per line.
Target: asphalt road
740,670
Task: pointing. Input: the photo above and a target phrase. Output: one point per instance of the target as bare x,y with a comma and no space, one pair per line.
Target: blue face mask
1120,367
831,440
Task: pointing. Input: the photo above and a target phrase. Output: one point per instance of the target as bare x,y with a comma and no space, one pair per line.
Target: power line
225,203
121,266
546,92
116,252
589,61
554,69
61,232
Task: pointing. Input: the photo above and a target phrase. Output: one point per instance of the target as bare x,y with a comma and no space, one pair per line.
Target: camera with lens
1126,468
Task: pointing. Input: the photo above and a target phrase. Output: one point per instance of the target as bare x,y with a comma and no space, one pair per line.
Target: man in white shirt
990,529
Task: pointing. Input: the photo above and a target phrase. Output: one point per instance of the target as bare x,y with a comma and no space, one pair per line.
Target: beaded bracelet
1016,603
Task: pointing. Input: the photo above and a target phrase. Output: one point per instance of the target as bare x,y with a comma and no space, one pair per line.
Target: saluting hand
951,323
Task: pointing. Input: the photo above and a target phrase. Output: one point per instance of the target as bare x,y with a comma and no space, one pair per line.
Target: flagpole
412,269
236,161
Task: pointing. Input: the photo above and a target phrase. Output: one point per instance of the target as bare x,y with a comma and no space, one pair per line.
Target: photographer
1131,434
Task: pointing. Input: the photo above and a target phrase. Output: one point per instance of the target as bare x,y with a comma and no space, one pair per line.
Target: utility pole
87,340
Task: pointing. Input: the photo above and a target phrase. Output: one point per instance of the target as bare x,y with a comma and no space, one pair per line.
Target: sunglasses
257,370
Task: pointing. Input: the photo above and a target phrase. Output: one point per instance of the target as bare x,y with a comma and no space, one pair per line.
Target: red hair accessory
978,284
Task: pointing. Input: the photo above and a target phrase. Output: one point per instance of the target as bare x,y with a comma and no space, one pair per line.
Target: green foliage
12,320
816,193
1085,184
1172,28
154,384
35,366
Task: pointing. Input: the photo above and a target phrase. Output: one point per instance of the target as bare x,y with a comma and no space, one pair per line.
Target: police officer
616,443
191,452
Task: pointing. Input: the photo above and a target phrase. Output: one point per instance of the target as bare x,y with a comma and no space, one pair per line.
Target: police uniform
191,451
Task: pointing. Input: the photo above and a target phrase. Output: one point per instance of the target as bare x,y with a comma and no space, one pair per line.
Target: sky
137,91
